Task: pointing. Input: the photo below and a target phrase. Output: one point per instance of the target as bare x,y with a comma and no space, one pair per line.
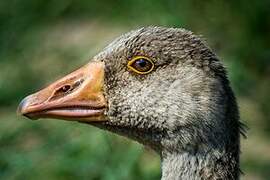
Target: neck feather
200,166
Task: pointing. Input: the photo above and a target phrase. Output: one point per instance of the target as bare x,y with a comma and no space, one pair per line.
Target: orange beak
77,96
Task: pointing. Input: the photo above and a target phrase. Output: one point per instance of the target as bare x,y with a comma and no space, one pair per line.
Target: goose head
162,87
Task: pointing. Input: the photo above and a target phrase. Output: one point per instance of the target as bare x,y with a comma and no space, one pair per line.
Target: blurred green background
42,40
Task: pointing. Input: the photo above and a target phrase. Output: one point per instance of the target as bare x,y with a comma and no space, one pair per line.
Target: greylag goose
162,87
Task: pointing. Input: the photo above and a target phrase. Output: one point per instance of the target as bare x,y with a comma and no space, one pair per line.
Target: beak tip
22,107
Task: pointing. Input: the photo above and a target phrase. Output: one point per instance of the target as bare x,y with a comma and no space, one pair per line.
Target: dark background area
42,40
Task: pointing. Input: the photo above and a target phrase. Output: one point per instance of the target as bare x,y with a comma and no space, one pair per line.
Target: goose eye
141,65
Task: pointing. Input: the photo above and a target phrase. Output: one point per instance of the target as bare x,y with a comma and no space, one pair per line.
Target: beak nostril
65,88
62,91
78,83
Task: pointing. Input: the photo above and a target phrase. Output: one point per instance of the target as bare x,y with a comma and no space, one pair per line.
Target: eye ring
141,65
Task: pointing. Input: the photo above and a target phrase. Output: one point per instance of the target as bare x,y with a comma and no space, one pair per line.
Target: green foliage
42,40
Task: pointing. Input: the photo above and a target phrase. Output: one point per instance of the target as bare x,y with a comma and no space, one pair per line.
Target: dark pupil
141,63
